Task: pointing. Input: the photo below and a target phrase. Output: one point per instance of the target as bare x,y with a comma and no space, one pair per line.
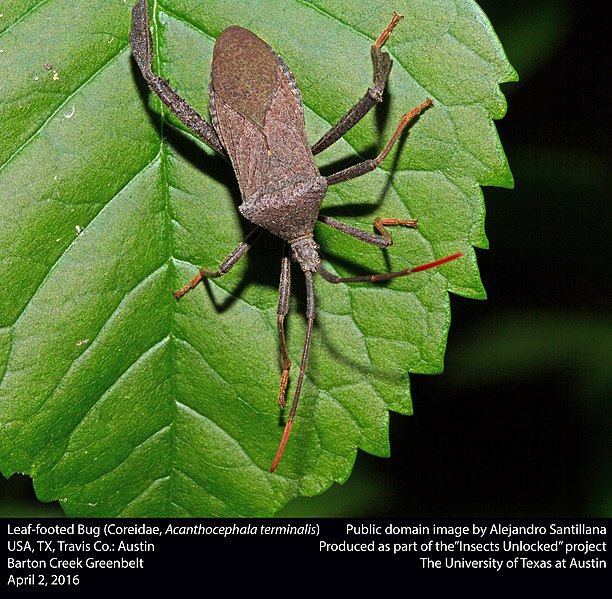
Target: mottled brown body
258,123
257,112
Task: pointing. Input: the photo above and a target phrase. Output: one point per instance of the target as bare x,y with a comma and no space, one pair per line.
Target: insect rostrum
258,123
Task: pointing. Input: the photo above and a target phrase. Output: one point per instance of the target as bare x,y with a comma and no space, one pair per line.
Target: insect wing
258,113
244,74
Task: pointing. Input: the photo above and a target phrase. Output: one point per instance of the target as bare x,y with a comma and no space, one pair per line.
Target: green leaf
117,399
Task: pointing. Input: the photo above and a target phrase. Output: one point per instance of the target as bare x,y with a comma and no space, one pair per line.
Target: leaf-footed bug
258,123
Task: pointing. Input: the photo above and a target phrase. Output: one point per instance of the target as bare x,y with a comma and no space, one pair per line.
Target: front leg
382,67
142,49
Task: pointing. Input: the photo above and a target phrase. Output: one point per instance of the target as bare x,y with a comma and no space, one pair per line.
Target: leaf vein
262,474
209,492
23,16
52,268
38,131
145,490
126,372
124,459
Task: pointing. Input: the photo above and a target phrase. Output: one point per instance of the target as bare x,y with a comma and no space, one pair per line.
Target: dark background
519,423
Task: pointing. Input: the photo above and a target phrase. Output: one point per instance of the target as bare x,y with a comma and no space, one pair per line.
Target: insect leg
382,240
385,276
284,291
225,266
382,67
142,49
369,165
310,316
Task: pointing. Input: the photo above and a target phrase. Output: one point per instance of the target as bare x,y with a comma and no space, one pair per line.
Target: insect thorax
289,208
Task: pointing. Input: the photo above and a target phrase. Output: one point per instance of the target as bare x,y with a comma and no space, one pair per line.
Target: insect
258,123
